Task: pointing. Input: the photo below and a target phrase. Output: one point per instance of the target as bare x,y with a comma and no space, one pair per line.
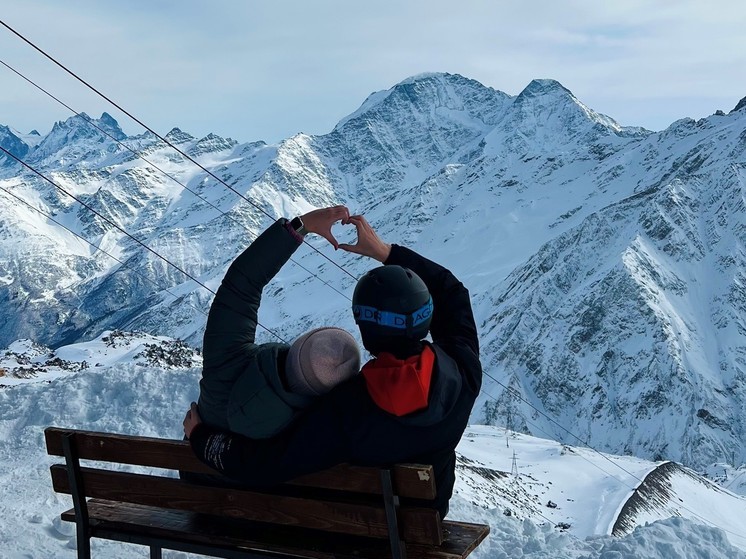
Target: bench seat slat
223,537
419,525
410,480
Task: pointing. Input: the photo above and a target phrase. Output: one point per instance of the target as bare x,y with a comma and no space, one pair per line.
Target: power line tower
514,466
509,416
508,425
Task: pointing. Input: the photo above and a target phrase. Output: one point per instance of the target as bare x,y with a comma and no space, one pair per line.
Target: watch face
297,224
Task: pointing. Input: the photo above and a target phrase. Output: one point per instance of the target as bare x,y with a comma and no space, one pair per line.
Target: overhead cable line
549,437
586,444
517,394
120,229
166,173
163,139
97,248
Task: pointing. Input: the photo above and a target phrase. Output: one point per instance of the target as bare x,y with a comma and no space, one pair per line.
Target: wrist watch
297,224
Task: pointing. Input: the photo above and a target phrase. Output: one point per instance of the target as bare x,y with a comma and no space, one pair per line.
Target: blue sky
256,70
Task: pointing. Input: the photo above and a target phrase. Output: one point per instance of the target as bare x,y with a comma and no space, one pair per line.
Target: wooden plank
420,525
464,537
186,530
128,449
413,481
410,480
135,523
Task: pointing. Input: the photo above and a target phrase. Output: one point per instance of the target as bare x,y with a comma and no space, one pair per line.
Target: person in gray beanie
257,390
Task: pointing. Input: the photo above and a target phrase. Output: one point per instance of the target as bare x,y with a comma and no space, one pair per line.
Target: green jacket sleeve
232,322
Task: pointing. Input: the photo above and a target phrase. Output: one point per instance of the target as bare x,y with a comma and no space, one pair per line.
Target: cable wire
167,174
122,230
536,427
98,248
163,139
586,444
513,392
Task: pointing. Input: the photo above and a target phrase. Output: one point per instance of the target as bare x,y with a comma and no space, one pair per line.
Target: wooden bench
346,511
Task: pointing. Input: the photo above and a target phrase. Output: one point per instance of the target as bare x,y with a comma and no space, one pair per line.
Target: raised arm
453,320
232,322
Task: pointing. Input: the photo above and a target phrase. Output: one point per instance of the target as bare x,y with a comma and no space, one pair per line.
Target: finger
340,212
356,221
329,237
350,248
361,224
351,218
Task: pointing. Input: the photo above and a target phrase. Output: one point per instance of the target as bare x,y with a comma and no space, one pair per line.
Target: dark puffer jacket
241,389
346,425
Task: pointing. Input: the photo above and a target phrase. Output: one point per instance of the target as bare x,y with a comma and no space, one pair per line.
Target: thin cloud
258,70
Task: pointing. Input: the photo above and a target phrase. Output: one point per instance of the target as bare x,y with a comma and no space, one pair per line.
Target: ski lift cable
163,139
550,437
587,445
97,248
122,230
167,174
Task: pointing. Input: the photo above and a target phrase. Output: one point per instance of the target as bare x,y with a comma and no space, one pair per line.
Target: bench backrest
345,499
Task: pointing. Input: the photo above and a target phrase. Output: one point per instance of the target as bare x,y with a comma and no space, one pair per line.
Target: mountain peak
108,119
13,144
427,93
87,126
111,126
549,97
424,76
178,136
544,87
78,133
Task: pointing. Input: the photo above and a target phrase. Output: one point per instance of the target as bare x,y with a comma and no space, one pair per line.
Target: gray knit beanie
321,359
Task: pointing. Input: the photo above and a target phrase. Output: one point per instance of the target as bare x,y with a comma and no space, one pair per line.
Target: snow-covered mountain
541,498
606,263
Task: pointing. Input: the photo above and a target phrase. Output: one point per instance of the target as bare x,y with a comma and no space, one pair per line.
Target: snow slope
122,395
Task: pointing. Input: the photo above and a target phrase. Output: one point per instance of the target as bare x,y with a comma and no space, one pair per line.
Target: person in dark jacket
411,403
257,390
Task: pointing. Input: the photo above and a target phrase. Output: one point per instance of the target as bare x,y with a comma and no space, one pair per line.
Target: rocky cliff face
605,263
